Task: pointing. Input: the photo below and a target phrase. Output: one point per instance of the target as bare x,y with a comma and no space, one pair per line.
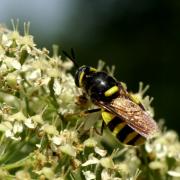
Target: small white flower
99,151
12,63
37,118
57,87
27,40
57,140
91,160
6,41
47,172
9,133
38,145
171,136
27,66
16,64
4,126
161,150
29,123
11,130
22,174
68,149
36,74
11,80
90,142
16,138
89,175
67,65
14,35
17,127
122,167
42,81
19,116
105,175
157,165
174,174
3,69
49,129
107,162
148,147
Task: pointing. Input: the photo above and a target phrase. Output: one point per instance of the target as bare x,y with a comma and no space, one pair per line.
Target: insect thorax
101,87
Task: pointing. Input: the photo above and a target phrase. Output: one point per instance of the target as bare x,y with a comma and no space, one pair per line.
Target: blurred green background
142,38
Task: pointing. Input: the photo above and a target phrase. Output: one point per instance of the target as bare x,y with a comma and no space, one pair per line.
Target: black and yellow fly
126,118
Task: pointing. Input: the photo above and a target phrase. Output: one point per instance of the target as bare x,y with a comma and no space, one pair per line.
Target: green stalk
17,164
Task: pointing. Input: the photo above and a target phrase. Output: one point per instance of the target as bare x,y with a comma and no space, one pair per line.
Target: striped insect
126,118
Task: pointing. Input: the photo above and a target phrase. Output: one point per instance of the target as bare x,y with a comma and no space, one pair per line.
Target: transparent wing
132,114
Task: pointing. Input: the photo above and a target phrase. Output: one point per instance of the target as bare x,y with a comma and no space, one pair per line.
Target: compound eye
81,73
79,76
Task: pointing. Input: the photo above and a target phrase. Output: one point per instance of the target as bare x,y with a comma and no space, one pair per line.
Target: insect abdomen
121,130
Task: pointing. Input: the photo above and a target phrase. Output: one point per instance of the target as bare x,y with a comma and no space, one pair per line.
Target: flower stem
17,164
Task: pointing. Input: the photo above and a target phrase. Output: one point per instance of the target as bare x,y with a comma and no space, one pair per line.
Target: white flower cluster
40,124
13,124
163,151
23,66
33,83
27,71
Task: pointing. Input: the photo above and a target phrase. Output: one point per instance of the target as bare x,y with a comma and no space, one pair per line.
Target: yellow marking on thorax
130,137
118,128
81,78
107,116
111,91
140,141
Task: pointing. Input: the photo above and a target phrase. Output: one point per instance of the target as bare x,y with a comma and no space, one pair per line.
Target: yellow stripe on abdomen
107,116
118,128
130,136
140,141
121,130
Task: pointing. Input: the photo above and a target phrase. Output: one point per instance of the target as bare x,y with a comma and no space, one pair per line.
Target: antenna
71,57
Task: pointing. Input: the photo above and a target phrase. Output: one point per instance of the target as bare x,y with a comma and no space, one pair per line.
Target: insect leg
102,127
92,111
83,113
